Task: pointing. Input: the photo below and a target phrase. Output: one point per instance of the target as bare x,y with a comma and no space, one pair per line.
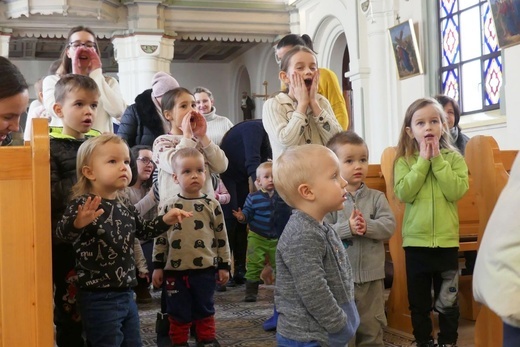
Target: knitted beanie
163,82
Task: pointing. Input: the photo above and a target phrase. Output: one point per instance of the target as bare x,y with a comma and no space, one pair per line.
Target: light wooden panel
25,243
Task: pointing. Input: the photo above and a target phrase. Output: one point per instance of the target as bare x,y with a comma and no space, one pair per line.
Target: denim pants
285,342
110,318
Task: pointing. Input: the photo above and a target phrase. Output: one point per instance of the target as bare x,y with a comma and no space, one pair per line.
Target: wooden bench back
25,243
489,168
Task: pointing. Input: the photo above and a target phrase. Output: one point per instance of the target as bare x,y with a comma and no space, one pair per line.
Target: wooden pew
489,168
25,243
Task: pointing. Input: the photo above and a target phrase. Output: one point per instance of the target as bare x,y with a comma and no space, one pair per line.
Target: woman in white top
81,56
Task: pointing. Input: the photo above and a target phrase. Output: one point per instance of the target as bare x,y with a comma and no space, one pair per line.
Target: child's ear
284,77
87,172
58,110
306,192
167,114
409,132
175,178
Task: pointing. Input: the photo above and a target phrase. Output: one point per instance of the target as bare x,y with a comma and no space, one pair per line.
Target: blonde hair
263,166
84,158
295,167
187,152
407,145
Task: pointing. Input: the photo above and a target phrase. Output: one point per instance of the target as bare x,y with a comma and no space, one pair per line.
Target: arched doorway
331,42
243,85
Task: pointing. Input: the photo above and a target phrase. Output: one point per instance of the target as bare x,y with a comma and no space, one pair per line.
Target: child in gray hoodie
314,288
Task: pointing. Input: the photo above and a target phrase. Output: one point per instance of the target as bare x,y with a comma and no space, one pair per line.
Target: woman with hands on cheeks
81,56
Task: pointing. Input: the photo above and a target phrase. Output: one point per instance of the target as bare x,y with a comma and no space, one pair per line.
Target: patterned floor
239,324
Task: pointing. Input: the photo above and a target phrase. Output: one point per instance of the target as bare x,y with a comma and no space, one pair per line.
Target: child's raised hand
425,149
239,215
223,277
88,212
313,93
176,215
435,147
199,126
95,60
299,91
357,223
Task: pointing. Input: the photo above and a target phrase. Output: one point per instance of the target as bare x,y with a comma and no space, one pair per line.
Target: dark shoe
425,343
142,292
221,288
213,343
162,324
240,277
251,291
231,283
143,296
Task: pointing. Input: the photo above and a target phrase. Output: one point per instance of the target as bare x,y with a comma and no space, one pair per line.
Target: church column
139,57
5,37
378,88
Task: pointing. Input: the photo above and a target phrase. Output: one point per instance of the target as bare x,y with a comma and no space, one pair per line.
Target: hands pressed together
429,147
358,224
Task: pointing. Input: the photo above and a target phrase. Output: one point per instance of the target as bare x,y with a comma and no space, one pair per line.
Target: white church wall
214,76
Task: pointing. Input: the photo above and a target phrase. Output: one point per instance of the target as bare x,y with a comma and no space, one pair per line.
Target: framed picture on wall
406,51
506,15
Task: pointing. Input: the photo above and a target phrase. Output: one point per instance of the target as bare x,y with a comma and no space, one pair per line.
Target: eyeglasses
145,160
77,44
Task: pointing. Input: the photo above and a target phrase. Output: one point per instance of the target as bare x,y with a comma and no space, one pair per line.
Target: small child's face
426,125
190,174
110,167
204,103
302,64
265,180
77,112
328,184
353,163
184,105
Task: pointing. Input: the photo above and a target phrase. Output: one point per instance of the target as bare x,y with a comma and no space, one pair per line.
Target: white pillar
5,37
377,103
139,57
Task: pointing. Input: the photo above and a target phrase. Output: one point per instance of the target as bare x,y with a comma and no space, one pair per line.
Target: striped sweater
259,212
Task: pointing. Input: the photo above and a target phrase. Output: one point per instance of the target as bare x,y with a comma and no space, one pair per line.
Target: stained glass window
471,62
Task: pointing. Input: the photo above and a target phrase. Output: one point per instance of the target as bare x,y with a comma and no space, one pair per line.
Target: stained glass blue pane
492,80
469,34
489,33
467,3
447,7
450,41
450,83
471,83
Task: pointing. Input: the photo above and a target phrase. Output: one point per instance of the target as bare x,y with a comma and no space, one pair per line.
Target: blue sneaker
270,324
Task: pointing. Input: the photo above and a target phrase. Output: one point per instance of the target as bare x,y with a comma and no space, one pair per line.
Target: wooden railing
25,243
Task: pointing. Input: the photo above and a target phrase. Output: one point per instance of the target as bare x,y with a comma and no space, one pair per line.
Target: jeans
511,336
110,318
285,342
